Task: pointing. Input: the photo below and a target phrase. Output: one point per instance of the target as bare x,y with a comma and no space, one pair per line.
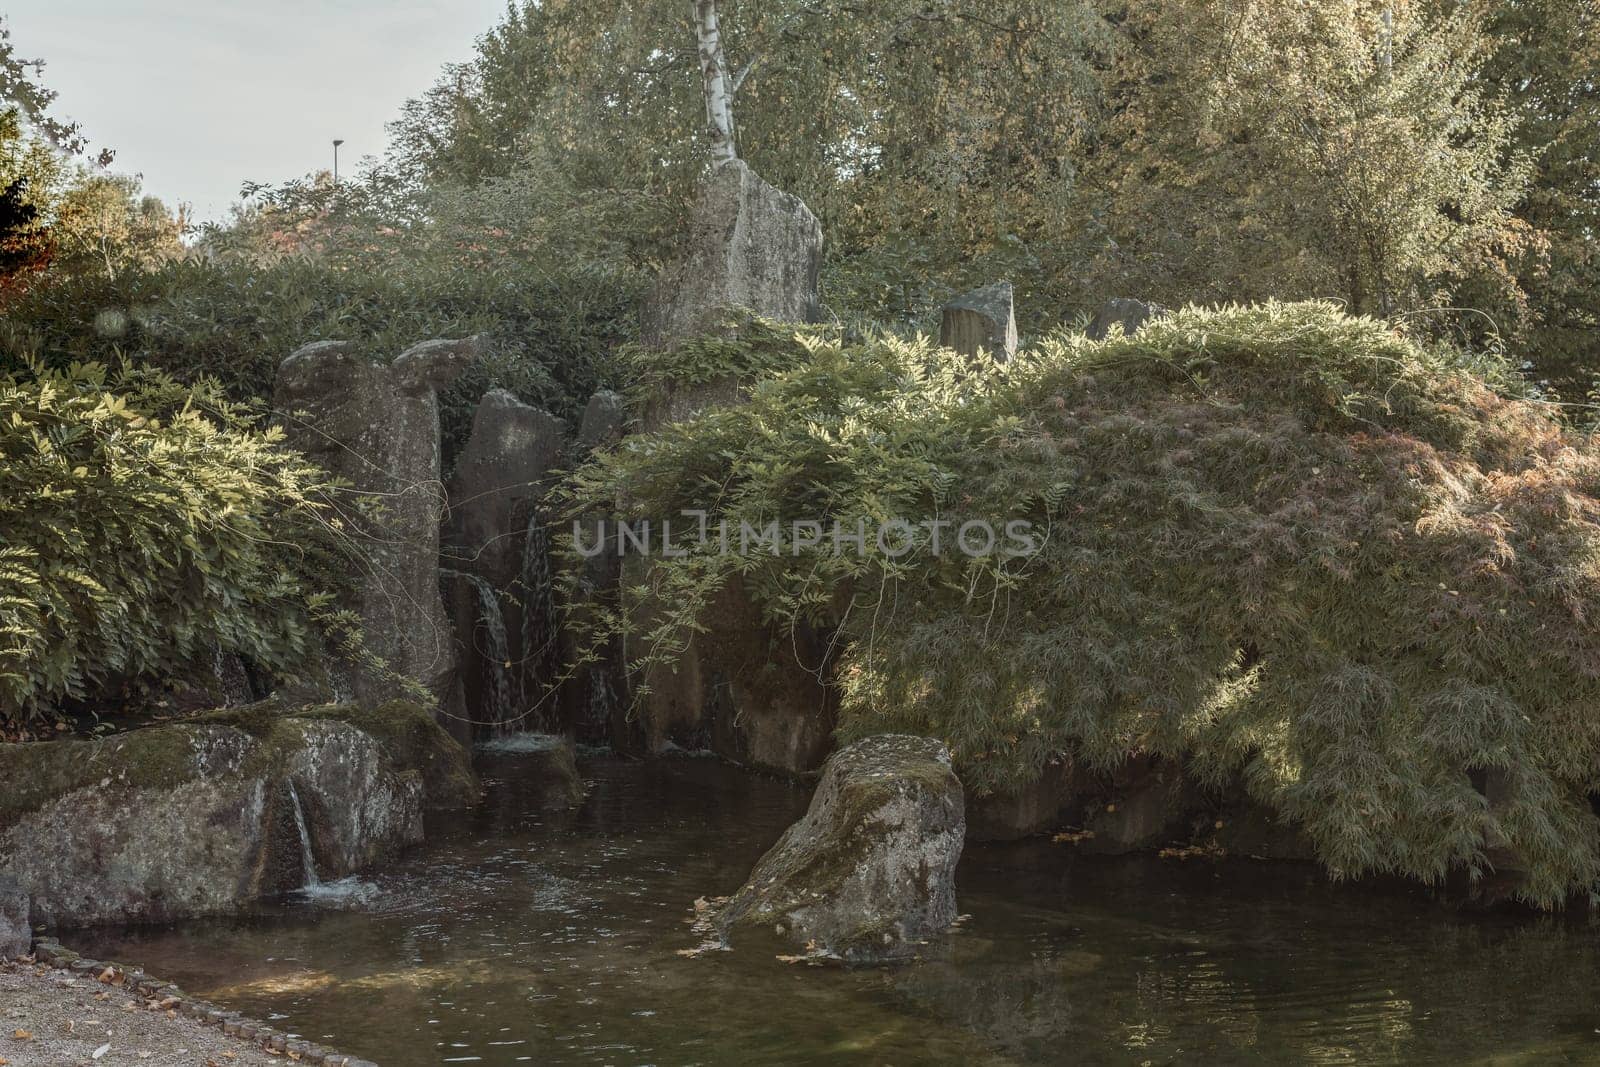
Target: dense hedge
551,337
1285,546
145,527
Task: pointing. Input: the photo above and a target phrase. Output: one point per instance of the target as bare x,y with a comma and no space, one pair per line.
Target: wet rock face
204,818
983,318
377,427
16,930
1120,311
868,873
750,246
755,694
500,597
1030,809
499,478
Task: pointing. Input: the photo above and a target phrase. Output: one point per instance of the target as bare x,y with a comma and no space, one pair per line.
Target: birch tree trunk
718,88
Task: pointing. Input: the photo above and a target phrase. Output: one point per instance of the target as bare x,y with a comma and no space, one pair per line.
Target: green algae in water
516,936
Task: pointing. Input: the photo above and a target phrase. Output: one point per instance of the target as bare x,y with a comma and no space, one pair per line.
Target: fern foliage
144,527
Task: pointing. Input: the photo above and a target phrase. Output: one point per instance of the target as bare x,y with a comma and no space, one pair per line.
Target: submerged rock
207,816
868,874
546,768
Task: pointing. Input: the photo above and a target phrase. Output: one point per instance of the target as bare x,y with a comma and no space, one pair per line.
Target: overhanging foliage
1281,544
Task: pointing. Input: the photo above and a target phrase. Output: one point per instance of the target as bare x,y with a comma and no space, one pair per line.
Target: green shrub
1285,546
550,337
145,526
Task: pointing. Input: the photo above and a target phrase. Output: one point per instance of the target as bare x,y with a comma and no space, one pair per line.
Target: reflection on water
521,937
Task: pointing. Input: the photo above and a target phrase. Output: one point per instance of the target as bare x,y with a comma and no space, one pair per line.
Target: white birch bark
718,89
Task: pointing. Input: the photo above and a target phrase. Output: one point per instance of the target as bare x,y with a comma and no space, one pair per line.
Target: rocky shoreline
141,1019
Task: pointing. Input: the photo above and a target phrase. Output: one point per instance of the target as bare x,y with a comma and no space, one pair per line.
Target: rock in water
869,873
983,318
206,817
16,930
1120,311
750,246
376,426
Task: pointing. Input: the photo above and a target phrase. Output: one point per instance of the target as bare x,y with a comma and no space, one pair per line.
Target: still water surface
515,936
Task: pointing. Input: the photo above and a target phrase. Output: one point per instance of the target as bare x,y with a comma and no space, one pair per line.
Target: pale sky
202,95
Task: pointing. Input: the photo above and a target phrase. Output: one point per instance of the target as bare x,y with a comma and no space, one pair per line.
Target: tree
103,224
1546,66
902,124
1344,149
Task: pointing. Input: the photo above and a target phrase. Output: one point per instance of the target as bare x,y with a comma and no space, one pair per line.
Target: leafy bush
549,336
145,526
1291,548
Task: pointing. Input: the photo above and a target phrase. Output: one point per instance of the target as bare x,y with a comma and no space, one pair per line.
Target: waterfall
306,858
602,698
540,648
493,648
497,654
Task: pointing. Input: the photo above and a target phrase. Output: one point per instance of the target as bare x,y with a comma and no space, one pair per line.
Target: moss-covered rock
869,873
203,817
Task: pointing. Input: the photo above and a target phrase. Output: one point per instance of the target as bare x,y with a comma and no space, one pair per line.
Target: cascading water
307,860
493,646
602,701
540,648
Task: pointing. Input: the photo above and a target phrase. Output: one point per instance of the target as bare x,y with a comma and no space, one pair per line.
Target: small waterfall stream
308,861
540,646
493,646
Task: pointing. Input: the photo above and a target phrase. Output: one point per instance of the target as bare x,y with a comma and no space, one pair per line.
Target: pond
516,936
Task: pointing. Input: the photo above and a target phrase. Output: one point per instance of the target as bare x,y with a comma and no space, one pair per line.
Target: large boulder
376,426
868,874
208,816
499,478
591,699
981,319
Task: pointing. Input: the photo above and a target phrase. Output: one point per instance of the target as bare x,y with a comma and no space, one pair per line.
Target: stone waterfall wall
497,564
376,426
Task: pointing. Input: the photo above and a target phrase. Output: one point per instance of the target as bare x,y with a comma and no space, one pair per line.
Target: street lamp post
337,141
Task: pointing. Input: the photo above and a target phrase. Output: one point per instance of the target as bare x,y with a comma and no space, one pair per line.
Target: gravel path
51,1018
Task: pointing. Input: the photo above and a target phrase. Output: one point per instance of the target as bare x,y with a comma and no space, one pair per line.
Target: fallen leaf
22,1035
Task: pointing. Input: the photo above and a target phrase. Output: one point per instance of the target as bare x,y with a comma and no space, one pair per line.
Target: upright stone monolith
376,426
981,319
